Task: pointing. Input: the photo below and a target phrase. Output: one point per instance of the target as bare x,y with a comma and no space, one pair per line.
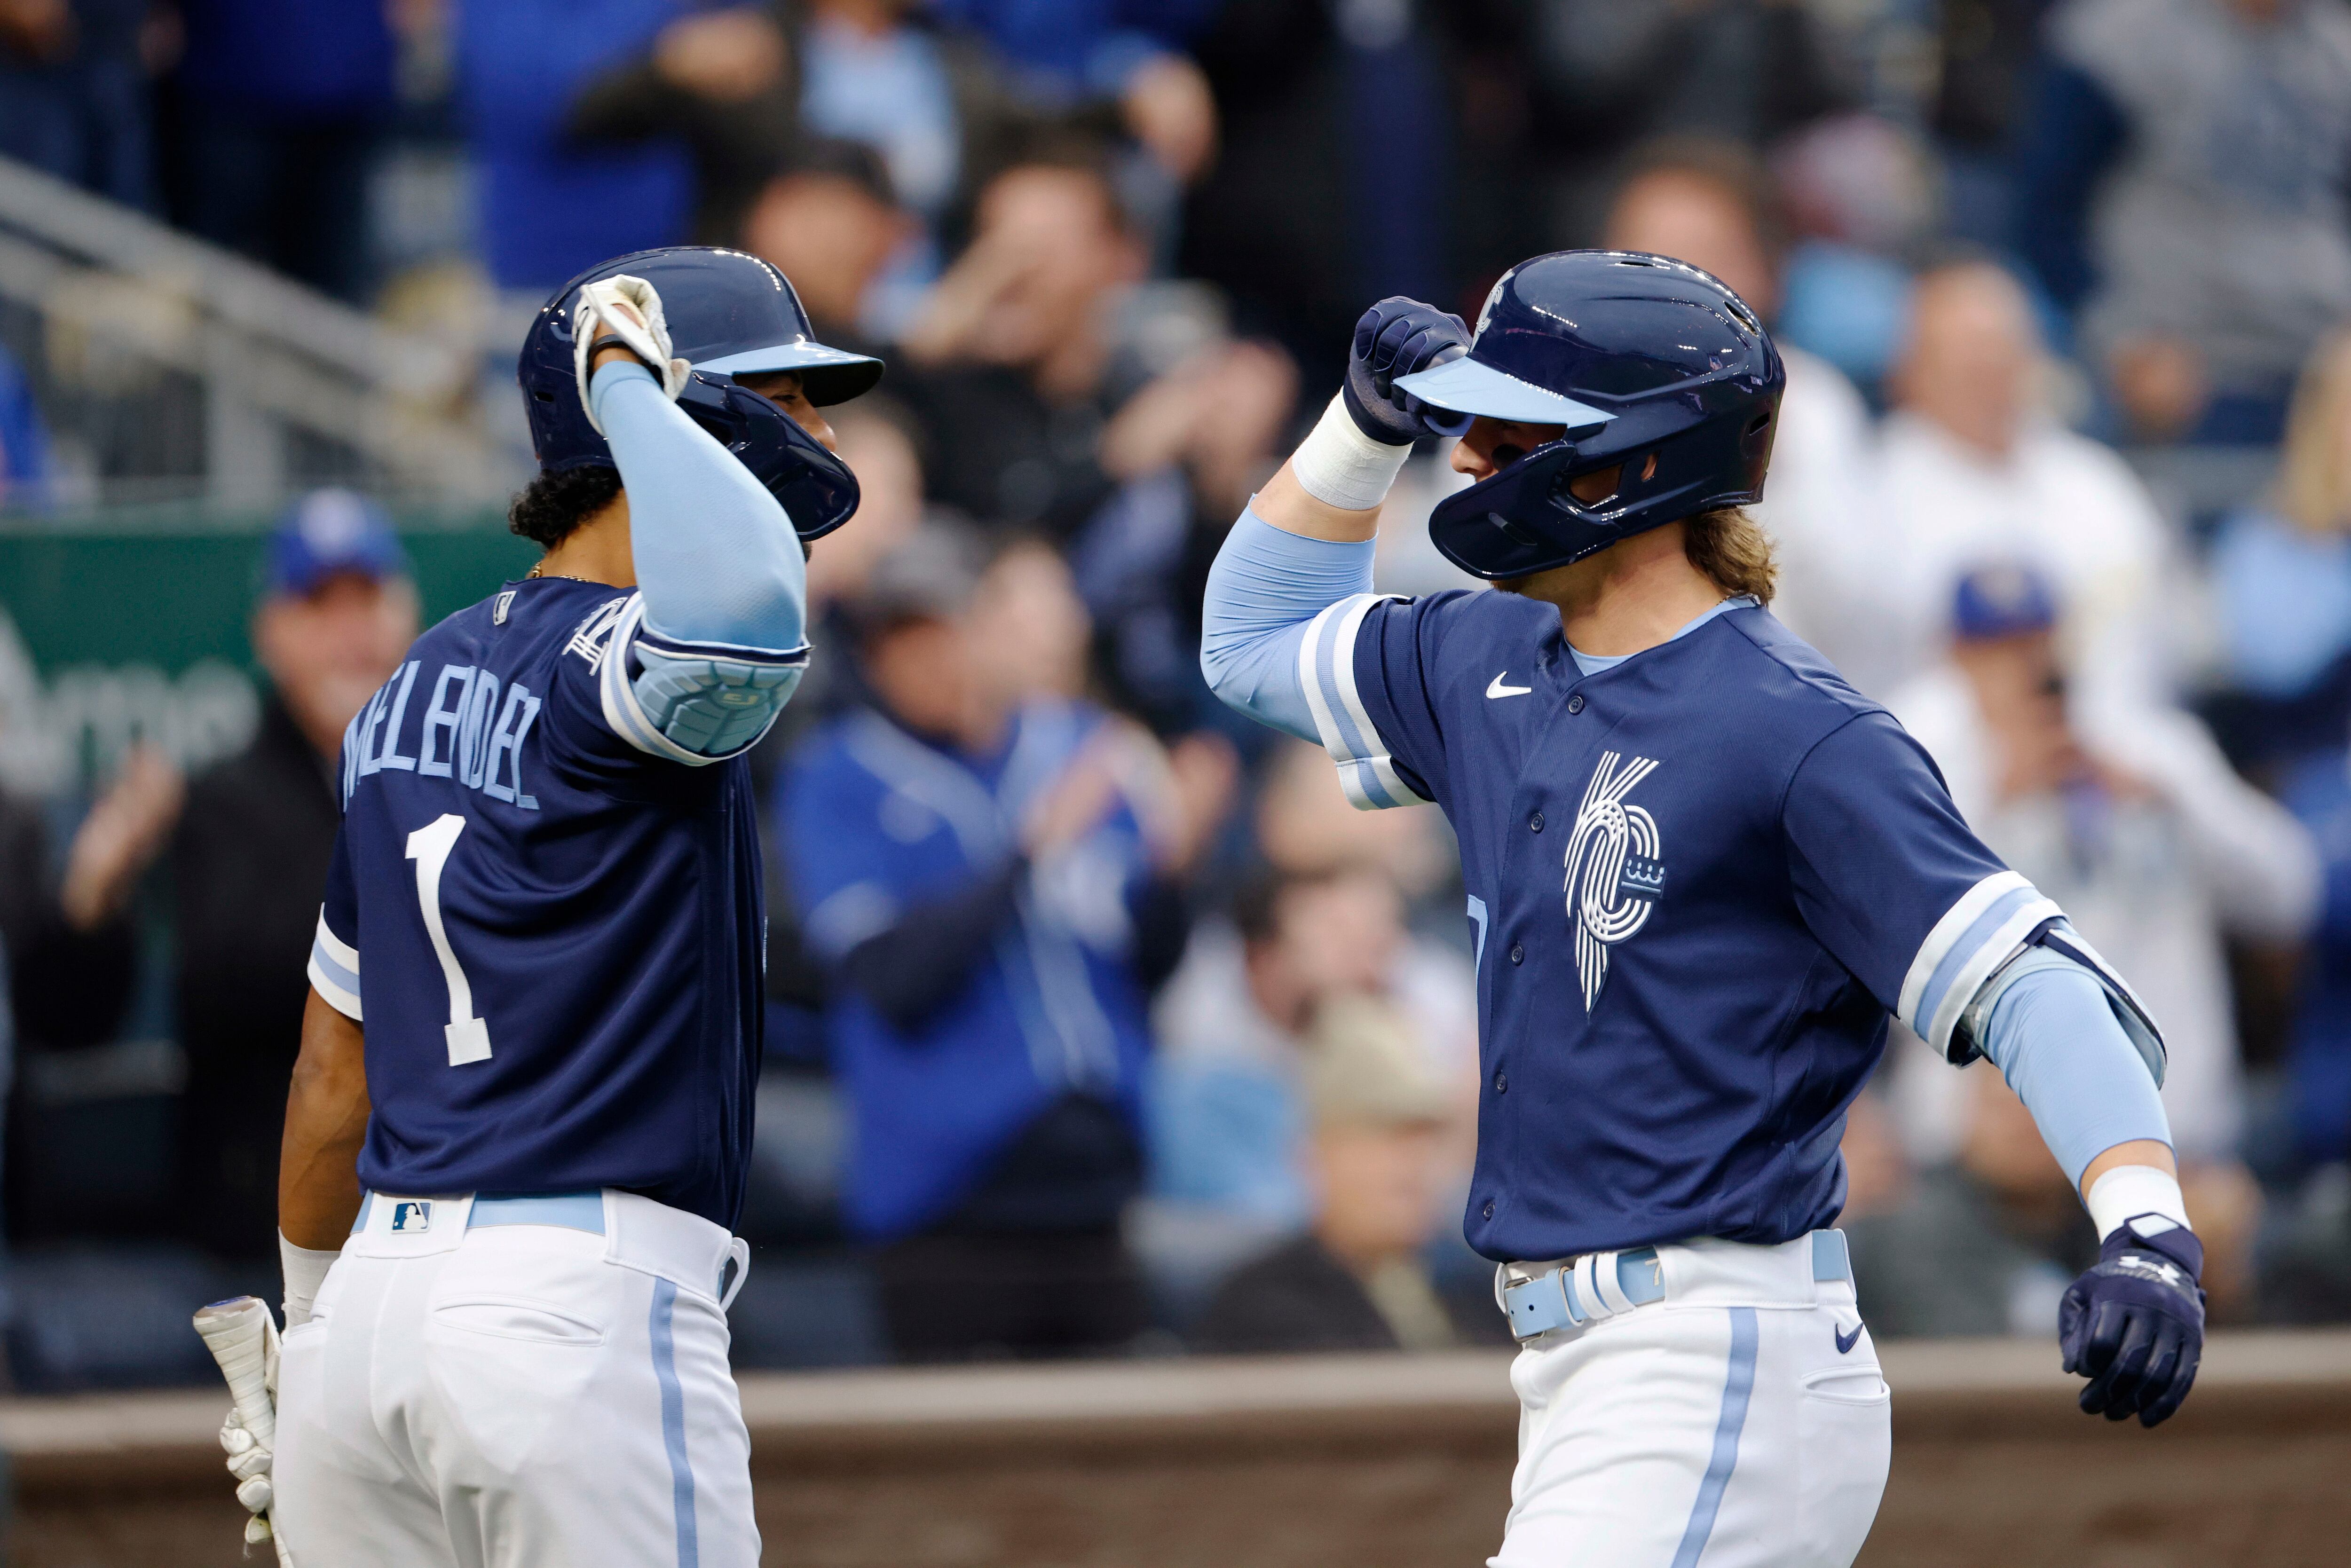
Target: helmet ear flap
816,488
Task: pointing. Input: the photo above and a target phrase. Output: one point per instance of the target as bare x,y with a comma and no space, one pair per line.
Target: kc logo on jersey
1614,874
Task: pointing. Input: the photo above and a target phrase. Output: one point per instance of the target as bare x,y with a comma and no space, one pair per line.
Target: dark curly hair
554,504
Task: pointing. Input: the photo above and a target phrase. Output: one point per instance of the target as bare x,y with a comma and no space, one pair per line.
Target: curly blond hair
1732,550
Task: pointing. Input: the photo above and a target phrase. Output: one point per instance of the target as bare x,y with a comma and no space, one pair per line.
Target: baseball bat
239,1333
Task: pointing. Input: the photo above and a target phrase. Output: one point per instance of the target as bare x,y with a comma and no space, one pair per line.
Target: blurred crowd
1099,1022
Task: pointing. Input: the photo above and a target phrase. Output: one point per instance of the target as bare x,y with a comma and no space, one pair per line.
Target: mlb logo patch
410,1217
498,610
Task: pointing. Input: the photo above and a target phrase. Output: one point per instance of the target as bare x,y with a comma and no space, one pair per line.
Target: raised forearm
326,1122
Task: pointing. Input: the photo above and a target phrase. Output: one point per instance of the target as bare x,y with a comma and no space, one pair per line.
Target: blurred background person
1377,1164
992,873
74,99
2182,186
1714,205
2307,1160
280,112
832,222
337,612
2157,850
548,206
1974,469
1012,363
2282,582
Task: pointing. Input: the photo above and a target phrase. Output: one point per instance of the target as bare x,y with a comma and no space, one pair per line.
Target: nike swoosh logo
1846,1341
1497,689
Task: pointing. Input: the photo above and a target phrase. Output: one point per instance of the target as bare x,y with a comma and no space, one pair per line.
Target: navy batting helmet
1655,368
729,314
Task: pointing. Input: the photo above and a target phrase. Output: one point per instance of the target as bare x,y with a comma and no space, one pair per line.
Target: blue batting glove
2134,1325
1396,337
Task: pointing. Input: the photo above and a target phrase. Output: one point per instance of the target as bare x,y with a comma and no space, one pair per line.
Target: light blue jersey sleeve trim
717,558
1326,671
2056,1038
334,971
1265,586
1982,930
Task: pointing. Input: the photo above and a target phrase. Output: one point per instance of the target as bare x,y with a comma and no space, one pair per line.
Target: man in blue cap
336,610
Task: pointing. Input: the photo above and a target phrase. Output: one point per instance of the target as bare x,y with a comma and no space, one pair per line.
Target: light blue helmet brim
797,355
1465,386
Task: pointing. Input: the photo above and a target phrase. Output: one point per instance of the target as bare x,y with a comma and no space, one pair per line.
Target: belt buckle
1541,1303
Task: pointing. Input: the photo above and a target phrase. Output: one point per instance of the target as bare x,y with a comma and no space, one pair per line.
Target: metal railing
240,384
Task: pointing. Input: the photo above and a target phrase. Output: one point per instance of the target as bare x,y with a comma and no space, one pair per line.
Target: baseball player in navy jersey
1702,872
518,1128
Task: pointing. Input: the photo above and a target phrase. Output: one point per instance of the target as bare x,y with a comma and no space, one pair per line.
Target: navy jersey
1699,881
546,917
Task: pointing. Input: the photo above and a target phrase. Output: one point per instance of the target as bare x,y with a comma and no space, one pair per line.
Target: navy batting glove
2134,1325
1396,337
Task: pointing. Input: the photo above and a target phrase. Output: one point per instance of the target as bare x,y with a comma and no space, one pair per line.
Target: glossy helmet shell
1638,357
730,313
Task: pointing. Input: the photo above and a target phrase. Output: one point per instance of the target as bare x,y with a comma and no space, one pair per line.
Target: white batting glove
249,1462
631,308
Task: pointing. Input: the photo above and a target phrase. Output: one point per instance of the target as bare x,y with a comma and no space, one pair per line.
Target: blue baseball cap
328,532
2007,599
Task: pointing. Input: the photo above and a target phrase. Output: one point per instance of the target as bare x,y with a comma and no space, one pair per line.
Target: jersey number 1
429,847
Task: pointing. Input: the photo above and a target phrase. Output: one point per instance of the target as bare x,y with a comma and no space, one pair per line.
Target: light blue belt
1553,1297
571,1210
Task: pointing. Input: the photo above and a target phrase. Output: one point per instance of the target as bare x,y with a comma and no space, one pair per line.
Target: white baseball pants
509,1390
1741,1421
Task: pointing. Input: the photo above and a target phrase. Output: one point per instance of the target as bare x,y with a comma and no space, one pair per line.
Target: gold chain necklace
540,570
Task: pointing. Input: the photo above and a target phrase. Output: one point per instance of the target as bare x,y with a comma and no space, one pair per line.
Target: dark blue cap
331,531
2006,599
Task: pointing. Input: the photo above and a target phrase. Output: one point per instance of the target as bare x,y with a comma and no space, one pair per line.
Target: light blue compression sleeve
2053,1036
1267,583
717,560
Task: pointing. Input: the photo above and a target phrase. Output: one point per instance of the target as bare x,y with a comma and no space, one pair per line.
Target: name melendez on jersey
1615,875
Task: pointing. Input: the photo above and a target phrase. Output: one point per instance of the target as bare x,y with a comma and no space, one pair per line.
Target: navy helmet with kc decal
1654,369
729,314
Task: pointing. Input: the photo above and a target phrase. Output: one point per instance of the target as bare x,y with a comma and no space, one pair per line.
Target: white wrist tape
1340,467
306,1270
2128,1190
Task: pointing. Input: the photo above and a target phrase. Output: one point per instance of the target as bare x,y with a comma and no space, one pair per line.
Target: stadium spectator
1327,918
2182,185
831,222
548,207
24,442
251,854
2307,1277
1339,187
1713,204
1014,369
2155,849
65,930
992,873
2282,574
1377,1164
74,94
1974,470
742,85
279,119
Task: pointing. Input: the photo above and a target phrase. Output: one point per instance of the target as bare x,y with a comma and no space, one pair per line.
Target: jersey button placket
1518,953
1502,1081
1575,703
1534,824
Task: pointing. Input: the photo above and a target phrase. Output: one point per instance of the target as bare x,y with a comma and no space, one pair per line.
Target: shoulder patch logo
595,632
1614,873
498,610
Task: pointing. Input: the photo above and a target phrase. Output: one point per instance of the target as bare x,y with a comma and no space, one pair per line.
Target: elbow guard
2059,946
712,705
